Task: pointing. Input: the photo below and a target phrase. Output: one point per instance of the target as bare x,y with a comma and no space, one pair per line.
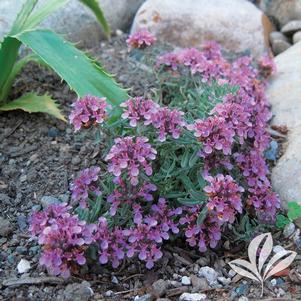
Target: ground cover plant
186,165
53,51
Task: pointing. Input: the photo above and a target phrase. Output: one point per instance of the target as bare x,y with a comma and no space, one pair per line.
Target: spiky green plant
82,74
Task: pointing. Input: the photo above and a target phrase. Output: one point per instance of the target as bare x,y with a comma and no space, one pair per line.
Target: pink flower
224,197
84,184
138,109
129,156
88,110
169,60
140,39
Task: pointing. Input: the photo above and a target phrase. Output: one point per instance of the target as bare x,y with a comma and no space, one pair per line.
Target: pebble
297,37
21,250
291,27
34,250
163,299
109,293
78,292
280,46
243,298
114,280
278,249
277,35
23,178
47,200
223,280
192,297
52,132
11,259
5,227
22,222
76,160
174,283
241,289
160,287
199,283
274,282
289,229
23,266
186,280
210,275
231,273
147,297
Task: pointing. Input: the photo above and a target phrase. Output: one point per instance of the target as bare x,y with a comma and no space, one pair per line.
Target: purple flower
169,60
129,156
138,109
140,39
85,183
63,236
214,133
224,197
88,110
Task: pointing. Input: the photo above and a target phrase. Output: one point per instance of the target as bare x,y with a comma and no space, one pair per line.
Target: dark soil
39,156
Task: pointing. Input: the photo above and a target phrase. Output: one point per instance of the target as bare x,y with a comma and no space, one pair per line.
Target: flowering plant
187,164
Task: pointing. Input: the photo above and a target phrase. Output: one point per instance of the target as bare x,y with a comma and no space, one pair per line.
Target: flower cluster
129,156
63,236
165,120
85,183
88,110
142,240
213,174
140,39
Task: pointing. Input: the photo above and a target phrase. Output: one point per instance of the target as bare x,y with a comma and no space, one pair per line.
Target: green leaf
294,210
202,215
93,5
188,201
33,103
82,74
8,56
281,221
194,158
19,65
40,14
22,16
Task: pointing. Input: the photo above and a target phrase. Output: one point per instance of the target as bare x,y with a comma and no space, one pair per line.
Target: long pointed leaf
40,14
80,72
33,103
22,16
246,269
93,5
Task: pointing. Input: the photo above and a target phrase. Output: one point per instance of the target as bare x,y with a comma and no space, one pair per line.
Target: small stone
11,259
52,132
174,283
47,200
192,297
78,292
119,32
224,280
280,46
186,280
278,249
241,289
109,293
289,230
277,35
199,283
114,280
160,287
231,273
274,282
76,160
5,227
163,299
34,250
291,27
23,266
243,298
281,292
22,222
210,275
23,178
297,37
147,297
21,250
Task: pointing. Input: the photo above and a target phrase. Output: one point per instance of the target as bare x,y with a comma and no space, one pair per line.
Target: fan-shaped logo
262,265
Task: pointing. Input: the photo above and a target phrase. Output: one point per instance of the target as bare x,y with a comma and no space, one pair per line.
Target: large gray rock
76,20
236,24
284,94
282,11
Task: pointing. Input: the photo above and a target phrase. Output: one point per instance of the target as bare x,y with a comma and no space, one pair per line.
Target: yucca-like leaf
82,74
33,103
93,5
